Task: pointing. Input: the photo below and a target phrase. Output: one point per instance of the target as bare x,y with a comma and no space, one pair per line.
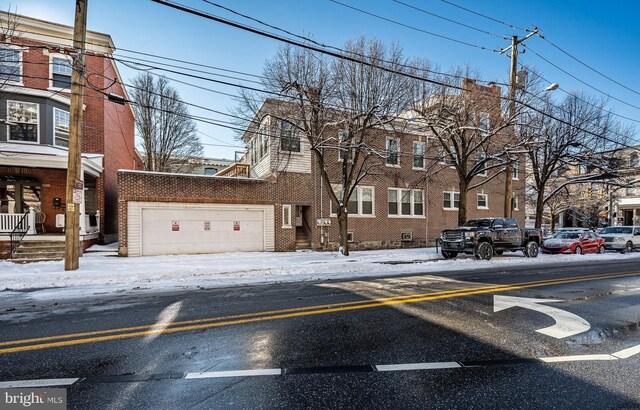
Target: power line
411,27
485,16
449,20
588,66
581,81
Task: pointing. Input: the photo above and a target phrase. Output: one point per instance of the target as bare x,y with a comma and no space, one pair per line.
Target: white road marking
38,383
627,353
578,358
416,366
234,373
567,324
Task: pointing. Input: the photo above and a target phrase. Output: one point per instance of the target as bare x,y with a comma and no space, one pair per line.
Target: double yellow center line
212,322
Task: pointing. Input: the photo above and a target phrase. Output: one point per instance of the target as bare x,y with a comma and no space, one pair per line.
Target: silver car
621,238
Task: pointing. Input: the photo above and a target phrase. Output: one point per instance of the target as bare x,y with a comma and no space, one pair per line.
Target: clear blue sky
603,34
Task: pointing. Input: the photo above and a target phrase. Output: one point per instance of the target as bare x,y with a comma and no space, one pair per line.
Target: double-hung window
451,200
405,202
418,155
24,119
61,128
289,138
10,64
483,201
61,72
481,159
361,201
286,216
484,123
516,169
345,149
393,152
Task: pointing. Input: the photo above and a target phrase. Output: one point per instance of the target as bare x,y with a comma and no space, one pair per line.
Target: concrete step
38,255
19,260
52,248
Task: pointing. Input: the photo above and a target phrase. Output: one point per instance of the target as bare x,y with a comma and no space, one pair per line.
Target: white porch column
83,222
31,221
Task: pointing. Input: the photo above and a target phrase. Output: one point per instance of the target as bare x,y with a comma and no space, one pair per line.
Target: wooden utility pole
513,84
75,186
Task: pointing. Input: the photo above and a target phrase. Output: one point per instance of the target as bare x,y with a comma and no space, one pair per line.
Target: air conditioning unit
407,236
60,220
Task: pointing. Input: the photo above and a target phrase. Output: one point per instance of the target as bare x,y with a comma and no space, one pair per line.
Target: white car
621,238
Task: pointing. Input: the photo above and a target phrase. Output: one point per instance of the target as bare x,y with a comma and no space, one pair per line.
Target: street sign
567,324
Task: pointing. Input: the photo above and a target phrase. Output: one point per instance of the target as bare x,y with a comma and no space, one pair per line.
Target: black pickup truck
486,236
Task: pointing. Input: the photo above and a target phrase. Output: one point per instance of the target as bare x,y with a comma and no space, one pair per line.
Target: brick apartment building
276,201
35,77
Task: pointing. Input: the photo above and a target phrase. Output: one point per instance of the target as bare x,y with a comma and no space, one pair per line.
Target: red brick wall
108,128
158,187
53,186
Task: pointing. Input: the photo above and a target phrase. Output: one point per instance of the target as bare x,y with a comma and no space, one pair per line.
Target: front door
628,217
298,215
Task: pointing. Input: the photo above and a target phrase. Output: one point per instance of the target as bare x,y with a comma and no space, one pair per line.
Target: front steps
39,251
302,241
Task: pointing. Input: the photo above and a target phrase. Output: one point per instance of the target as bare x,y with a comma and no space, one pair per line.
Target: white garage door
190,228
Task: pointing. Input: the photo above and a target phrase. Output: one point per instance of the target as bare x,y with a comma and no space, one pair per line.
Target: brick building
278,195
35,77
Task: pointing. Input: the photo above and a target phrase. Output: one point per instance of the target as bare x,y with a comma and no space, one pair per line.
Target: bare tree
167,133
469,130
571,142
338,105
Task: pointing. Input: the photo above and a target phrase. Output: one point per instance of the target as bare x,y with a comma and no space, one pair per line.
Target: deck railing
236,170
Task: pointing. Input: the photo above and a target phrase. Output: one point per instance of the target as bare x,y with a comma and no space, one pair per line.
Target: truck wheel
484,251
531,250
449,254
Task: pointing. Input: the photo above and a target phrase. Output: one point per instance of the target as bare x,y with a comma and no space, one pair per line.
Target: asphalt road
420,341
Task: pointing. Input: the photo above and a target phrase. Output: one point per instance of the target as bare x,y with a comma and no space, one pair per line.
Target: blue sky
602,34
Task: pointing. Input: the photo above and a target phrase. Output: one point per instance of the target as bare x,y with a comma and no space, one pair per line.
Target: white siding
192,238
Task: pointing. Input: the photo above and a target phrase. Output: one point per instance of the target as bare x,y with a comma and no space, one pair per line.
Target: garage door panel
158,236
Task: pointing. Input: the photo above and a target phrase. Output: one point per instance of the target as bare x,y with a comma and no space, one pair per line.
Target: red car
574,242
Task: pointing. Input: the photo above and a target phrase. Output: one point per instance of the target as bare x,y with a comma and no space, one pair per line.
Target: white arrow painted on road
567,324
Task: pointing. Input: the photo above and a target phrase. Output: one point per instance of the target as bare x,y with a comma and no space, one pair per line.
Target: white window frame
481,156
515,175
516,203
447,158
19,63
484,123
37,123
387,163
285,223
486,201
55,130
294,133
412,198
358,193
59,56
413,159
452,201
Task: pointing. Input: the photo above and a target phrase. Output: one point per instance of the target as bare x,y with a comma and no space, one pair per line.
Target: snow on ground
102,270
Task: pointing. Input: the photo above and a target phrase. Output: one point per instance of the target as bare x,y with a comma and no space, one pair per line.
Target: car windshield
617,229
568,235
478,223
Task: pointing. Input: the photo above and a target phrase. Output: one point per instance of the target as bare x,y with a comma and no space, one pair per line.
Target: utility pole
513,84
75,186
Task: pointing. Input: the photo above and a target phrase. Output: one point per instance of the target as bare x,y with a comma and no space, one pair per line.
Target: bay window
24,119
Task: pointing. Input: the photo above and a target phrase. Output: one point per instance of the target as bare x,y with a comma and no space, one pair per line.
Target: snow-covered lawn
102,269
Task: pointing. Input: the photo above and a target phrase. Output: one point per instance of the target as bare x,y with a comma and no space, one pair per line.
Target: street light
552,86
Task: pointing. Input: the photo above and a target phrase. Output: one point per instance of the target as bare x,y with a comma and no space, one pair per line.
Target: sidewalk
101,268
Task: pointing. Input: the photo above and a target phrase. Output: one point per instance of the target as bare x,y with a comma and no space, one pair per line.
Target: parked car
574,242
486,236
621,238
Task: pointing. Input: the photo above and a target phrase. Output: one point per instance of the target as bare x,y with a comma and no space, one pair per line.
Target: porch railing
19,231
236,170
8,222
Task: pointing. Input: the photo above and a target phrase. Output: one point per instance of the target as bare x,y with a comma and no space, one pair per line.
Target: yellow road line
200,324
